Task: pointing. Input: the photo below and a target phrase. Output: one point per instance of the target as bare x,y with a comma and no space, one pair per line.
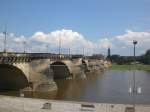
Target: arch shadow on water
12,78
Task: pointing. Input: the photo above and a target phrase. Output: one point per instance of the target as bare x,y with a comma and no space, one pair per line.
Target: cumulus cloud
20,39
130,36
41,42
105,43
123,43
67,38
13,42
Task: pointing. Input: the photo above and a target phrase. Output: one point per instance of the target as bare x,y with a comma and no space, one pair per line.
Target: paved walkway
17,104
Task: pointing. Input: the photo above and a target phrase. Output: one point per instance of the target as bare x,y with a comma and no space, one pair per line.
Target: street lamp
83,51
69,51
138,89
5,37
134,43
47,48
24,46
59,45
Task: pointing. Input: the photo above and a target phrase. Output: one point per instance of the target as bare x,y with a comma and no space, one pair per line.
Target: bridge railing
32,56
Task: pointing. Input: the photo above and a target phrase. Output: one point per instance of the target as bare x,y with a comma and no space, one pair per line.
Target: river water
110,86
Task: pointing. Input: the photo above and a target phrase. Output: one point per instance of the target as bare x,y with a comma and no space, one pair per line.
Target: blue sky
94,19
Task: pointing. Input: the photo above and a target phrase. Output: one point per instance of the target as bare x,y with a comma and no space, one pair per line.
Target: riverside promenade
19,104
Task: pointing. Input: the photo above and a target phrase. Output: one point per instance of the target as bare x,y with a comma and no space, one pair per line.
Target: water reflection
107,87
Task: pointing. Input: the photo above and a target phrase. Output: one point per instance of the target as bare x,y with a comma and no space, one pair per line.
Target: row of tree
143,59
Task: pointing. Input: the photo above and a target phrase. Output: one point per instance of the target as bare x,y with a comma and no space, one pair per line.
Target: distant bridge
37,71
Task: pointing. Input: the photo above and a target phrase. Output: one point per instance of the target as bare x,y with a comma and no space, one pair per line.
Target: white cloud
124,42
20,39
130,36
121,44
68,38
105,43
39,36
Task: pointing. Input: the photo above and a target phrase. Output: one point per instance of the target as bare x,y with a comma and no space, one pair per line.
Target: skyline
92,25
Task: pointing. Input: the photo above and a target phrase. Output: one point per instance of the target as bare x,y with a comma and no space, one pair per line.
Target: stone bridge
37,72
72,68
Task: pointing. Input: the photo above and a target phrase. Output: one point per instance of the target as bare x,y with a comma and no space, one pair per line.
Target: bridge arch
85,65
12,78
60,70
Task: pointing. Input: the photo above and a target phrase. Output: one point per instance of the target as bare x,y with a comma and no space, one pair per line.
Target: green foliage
121,60
130,67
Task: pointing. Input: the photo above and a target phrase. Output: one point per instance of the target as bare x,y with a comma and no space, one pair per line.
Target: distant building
108,52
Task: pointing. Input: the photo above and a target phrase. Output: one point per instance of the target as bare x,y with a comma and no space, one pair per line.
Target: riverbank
130,67
18,104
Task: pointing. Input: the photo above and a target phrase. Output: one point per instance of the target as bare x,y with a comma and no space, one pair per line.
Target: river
111,86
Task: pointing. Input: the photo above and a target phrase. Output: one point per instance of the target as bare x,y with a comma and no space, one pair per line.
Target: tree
147,57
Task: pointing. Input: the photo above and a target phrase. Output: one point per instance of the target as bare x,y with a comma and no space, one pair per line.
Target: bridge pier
41,76
42,87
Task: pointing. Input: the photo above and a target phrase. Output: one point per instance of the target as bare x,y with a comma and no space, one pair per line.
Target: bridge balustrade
14,59
27,57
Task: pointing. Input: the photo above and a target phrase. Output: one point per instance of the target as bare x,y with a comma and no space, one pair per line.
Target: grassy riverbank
130,67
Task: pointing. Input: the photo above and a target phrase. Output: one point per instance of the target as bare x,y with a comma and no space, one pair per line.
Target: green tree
147,57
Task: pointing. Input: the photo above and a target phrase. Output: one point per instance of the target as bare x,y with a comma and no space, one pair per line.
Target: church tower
108,54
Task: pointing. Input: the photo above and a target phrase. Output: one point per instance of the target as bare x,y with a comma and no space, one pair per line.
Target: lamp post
134,43
83,51
24,46
59,45
134,88
5,36
47,48
69,52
